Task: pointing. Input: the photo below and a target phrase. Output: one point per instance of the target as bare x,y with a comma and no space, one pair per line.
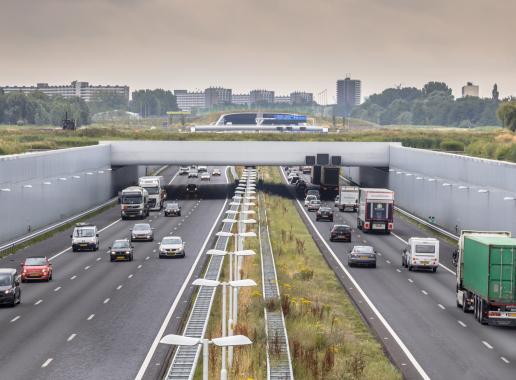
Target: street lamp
230,341
214,284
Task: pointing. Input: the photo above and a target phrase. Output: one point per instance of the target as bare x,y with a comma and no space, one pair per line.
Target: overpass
363,154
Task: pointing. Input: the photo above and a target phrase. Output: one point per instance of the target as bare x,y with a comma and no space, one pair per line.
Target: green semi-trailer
486,276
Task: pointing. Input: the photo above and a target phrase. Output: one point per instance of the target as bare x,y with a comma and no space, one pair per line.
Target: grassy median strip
327,335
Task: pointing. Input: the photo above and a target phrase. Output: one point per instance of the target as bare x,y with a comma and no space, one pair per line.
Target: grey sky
283,45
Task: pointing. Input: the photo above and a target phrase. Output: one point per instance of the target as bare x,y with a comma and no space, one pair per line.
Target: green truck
486,276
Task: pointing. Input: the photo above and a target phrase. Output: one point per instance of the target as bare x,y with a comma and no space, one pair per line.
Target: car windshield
363,250
315,202
35,261
172,205
171,240
325,209
152,190
342,228
5,279
84,232
131,199
121,244
310,197
425,248
141,227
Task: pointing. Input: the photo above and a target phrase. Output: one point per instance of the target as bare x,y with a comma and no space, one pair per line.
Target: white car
202,168
192,173
171,246
216,172
85,237
205,177
309,198
314,205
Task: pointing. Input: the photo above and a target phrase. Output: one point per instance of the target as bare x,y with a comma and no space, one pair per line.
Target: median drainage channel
279,362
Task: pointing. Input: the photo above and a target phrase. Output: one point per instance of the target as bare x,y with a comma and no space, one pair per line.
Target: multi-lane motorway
420,307
97,319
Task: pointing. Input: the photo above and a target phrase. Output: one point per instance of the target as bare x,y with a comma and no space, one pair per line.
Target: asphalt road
97,319
420,307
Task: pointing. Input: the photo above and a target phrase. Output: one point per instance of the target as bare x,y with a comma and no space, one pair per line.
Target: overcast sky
284,45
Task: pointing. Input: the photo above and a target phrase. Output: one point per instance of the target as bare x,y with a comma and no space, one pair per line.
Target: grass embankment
249,362
327,335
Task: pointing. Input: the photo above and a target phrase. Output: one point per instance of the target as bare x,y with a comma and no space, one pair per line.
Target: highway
97,319
420,306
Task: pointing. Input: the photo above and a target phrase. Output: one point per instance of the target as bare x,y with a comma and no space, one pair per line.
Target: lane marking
130,276
424,292
57,289
119,287
73,277
398,270
388,261
87,267
487,345
441,306
147,258
139,266
70,338
47,362
15,318
106,301
99,258
90,317
462,324
168,317
504,360
38,302
410,280
406,242
387,326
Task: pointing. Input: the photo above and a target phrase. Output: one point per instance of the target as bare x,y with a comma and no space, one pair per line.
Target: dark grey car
362,255
10,292
121,250
172,209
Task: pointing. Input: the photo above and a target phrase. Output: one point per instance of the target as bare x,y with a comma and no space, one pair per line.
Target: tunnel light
399,173
27,186
109,169
89,173
5,190
446,184
62,179
101,171
483,191
431,179
47,183
419,178
409,174
462,187
76,176
392,170
509,199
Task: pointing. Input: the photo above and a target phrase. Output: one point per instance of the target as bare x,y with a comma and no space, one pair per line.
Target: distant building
281,99
470,90
82,90
186,101
496,94
261,97
349,92
217,95
299,98
240,99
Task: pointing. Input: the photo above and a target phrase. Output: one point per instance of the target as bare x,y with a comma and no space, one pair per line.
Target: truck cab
421,253
155,188
134,202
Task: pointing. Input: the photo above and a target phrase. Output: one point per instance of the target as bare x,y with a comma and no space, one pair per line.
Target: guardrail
427,224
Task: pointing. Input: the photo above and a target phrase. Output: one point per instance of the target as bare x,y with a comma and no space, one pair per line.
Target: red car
36,268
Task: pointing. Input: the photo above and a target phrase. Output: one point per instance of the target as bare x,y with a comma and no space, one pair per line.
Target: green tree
107,101
436,86
506,113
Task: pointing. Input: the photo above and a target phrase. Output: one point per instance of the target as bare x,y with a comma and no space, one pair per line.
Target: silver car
142,232
362,255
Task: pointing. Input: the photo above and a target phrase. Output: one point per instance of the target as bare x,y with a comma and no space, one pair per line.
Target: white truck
421,253
155,186
134,202
375,210
348,198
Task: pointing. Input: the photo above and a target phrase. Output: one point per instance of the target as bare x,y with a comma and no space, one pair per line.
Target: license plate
83,245
425,262
378,226
120,257
364,257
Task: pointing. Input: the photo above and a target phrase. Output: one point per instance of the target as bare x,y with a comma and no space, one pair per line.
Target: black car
301,186
10,292
325,213
191,189
340,232
121,250
172,209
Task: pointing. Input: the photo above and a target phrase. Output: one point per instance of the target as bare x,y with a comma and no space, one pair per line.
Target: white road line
441,265
38,302
174,177
15,318
87,267
487,345
70,338
398,270
462,324
106,300
386,324
164,325
410,280
441,306
139,266
130,276
147,258
73,277
504,360
99,258
388,261
57,289
90,317
119,287
424,292
47,362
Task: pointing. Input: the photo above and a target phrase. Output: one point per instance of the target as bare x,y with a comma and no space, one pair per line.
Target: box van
421,253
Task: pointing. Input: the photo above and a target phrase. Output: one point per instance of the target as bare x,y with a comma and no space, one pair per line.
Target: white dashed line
410,280
99,258
379,253
387,261
130,276
73,277
47,362
424,292
70,338
15,318
139,266
57,289
147,258
441,306
106,300
38,302
487,345
462,324
119,287
91,317
87,267
398,270
504,360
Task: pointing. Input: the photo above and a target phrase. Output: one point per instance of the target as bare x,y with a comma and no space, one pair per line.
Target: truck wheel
434,269
410,267
464,303
482,320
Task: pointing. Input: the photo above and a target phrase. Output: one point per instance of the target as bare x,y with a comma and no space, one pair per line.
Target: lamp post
214,284
230,341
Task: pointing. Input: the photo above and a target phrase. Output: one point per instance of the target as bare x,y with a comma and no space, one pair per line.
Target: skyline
280,45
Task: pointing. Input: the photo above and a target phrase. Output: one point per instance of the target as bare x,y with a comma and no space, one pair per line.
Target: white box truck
155,186
348,198
421,253
134,203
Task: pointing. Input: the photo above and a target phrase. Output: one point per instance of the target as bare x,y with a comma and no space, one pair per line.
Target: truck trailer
375,210
486,272
330,178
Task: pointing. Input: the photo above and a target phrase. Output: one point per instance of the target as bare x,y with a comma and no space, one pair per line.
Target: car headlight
9,291
127,252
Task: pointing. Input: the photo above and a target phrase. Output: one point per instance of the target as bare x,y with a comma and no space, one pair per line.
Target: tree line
434,104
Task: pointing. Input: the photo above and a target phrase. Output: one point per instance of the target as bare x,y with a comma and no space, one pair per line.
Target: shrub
452,145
